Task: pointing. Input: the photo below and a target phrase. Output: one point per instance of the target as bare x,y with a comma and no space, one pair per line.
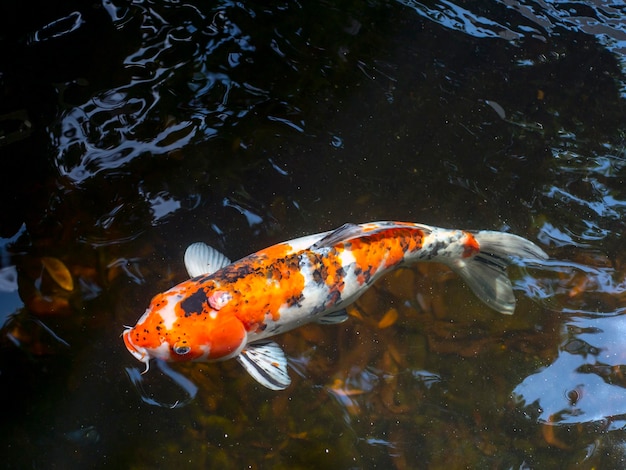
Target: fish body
229,310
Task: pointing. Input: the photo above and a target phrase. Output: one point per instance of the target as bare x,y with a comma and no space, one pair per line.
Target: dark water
130,129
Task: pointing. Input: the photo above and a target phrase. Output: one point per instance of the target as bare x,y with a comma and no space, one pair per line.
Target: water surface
130,129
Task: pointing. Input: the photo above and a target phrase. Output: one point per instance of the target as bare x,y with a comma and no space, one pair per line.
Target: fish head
187,323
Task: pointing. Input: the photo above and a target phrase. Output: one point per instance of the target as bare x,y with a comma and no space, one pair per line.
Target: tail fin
485,273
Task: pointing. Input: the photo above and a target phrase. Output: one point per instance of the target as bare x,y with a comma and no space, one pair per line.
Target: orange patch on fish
257,287
471,246
384,249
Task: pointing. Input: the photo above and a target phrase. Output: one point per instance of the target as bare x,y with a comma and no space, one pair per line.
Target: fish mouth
141,354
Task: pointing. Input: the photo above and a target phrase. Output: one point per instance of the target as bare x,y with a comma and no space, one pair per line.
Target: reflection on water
184,388
130,129
58,28
513,21
586,382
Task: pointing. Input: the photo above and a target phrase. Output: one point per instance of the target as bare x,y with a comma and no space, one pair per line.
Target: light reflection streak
145,388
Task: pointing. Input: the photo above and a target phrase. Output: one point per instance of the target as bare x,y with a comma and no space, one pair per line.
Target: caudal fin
485,273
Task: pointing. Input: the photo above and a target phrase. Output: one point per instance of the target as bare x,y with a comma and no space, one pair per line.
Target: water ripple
535,19
145,117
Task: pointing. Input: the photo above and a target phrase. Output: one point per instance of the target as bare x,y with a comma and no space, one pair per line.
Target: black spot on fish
234,272
367,275
273,273
296,300
292,263
195,303
334,297
316,310
433,249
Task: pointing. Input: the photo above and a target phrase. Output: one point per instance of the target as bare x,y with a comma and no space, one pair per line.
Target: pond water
130,129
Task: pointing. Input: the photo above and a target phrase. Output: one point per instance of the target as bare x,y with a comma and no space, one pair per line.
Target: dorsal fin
343,233
202,259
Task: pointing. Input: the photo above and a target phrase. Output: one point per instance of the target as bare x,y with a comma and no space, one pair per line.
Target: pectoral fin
266,362
333,318
201,259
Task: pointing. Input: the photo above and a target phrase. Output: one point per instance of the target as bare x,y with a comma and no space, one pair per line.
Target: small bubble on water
336,142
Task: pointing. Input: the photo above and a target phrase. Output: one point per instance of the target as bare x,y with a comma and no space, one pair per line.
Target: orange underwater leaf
390,317
58,272
41,305
547,430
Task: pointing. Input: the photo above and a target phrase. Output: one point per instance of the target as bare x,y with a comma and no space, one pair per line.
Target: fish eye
181,350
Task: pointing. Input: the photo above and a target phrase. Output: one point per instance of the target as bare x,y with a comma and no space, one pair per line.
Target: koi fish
230,309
